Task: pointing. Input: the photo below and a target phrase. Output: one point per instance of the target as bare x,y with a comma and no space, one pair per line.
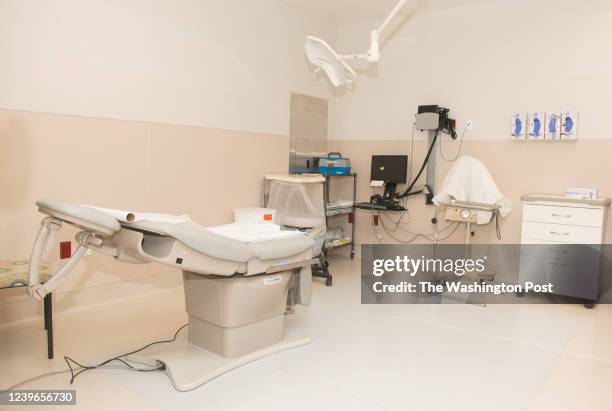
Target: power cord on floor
73,375
119,358
19,384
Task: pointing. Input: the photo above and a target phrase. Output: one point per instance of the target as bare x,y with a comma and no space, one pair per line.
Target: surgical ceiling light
325,58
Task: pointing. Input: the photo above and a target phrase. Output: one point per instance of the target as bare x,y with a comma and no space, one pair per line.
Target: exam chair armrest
35,288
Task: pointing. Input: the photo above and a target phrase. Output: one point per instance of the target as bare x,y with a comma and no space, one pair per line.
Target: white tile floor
392,357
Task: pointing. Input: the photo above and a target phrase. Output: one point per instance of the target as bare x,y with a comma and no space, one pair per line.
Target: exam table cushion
14,273
189,233
78,215
203,240
253,232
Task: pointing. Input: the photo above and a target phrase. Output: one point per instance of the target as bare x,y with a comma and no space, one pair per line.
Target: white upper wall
227,64
484,62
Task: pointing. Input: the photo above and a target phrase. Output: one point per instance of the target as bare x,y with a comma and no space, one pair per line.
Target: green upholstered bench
14,273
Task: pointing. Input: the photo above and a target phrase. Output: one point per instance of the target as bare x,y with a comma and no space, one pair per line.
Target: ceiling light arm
390,17
373,54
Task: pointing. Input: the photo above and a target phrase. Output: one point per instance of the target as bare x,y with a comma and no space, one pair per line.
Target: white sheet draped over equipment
469,180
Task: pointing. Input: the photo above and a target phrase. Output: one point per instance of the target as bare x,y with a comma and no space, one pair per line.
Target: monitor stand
388,201
390,192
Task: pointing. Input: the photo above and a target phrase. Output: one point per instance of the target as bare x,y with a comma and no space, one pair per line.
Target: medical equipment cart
322,270
348,210
300,202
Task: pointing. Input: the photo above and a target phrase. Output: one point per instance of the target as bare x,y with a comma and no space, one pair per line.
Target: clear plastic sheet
298,205
301,206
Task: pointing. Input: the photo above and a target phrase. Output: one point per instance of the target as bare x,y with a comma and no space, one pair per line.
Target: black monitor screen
390,169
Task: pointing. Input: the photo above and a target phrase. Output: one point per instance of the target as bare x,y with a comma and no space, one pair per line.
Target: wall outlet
469,124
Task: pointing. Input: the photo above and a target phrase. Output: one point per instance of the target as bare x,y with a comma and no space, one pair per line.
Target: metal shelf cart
348,211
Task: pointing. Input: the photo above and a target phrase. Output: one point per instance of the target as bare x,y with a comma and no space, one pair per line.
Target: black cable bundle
119,358
407,192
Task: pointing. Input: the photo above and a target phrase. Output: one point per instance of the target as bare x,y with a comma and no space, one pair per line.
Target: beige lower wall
207,173
517,167
120,164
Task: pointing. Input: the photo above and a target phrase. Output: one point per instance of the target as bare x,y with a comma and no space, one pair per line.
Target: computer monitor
390,169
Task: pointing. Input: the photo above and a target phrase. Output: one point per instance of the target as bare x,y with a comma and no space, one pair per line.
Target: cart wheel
352,255
589,306
325,263
328,282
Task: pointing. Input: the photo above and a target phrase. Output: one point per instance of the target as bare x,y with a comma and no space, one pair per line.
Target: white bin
254,215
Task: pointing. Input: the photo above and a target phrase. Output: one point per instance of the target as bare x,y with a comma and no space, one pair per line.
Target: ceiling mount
325,58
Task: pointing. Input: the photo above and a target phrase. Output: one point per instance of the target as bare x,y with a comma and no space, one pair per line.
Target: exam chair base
189,366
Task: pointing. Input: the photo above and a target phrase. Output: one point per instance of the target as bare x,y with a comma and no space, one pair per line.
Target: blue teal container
334,164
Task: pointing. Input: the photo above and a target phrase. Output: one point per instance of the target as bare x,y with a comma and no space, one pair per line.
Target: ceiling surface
347,12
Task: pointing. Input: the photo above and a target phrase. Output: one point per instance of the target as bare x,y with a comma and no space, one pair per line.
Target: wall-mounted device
535,130
392,169
569,125
549,126
461,215
553,126
519,126
434,119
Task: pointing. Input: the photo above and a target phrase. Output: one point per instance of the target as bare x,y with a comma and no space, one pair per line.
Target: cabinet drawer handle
558,264
561,215
555,233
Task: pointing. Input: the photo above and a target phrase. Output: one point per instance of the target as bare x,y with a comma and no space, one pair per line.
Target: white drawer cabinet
555,223
563,214
567,234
